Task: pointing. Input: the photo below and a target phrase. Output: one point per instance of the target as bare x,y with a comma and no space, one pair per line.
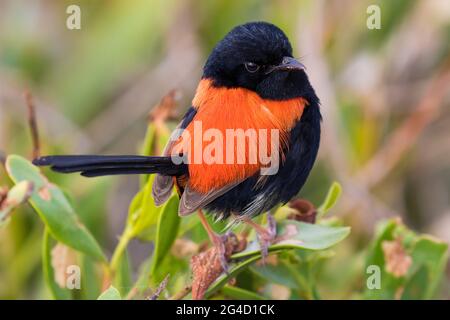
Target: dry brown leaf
279,292
305,211
184,248
62,258
397,261
165,109
206,266
44,193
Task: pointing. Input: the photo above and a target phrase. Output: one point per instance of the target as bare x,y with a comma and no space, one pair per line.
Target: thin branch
57,125
160,289
33,124
356,194
357,188
133,292
165,110
2,157
405,136
182,293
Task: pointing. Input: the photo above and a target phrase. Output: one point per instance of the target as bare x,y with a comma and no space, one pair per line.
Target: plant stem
33,125
181,294
120,248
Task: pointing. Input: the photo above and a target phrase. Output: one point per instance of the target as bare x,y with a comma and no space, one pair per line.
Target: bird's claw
219,244
267,237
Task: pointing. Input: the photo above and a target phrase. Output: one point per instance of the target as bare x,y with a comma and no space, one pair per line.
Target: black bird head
258,56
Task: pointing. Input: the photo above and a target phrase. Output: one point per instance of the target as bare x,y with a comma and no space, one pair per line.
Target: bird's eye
251,67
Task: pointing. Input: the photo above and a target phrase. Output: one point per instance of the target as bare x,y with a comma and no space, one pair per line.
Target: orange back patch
230,131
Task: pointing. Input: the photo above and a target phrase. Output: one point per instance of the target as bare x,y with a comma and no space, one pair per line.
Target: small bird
251,81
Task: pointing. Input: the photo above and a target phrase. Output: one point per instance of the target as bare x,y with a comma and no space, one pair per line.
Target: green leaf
233,270
110,294
154,143
279,273
385,231
123,278
91,278
307,236
57,292
166,233
330,200
428,256
241,294
414,288
147,148
135,206
54,209
91,206
142,282
143,213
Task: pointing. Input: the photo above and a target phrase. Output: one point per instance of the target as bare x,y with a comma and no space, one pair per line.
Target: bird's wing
163,184
192,200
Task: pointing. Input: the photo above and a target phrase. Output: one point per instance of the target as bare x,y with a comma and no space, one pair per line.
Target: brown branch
405,136
166,108
163,111
33,124
356,194
160,289
3,195
2,157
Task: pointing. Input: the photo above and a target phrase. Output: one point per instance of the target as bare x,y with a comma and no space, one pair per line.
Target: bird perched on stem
259,120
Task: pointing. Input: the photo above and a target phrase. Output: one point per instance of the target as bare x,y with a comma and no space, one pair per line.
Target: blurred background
384,92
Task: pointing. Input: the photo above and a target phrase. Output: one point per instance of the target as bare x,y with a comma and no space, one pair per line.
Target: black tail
94,166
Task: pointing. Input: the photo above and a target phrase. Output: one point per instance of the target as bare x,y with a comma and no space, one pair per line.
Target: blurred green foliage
411,265
94,86
295,268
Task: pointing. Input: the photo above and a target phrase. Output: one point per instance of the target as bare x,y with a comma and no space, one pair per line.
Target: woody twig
32,124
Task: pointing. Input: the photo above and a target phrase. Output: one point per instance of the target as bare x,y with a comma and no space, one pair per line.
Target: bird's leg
266,236
217,240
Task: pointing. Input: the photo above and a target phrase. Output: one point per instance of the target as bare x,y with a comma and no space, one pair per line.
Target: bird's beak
289,64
